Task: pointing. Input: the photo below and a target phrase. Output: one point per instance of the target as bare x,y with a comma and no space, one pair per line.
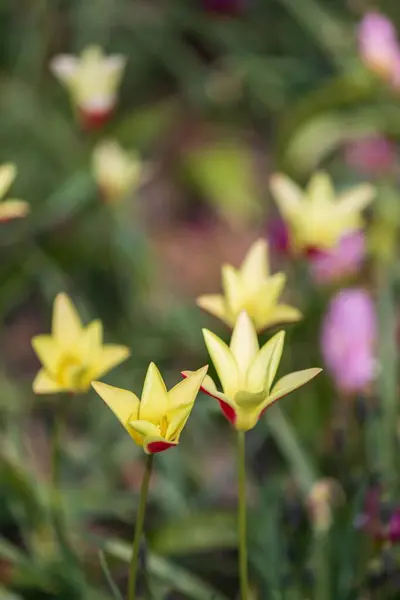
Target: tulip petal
64,67
123,403
91,341
232,288
47,351
144,428
244,345
110,356
282,313
291,382
215,305
265,365
67,327
287,195
255,266
8,172
154,445
13,209
356,199
320,190
184,393
44,384
154,402
224,362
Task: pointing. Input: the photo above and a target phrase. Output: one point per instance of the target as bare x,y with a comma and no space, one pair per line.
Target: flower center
71,373
163,426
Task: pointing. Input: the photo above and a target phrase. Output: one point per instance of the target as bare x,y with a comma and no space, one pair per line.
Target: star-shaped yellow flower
247,373
12,208
92,80
73,355
318,218
251,288
156,421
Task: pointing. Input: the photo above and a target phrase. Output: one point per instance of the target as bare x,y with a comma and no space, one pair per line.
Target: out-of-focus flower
247,372
116,171
73,355
11,208
342,261
278,235
373,155
324,495
348,340
378,45
92,80
253,289
156,421
317,218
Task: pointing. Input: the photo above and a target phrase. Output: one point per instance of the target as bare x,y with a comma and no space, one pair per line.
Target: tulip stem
55,478
241,467
138,529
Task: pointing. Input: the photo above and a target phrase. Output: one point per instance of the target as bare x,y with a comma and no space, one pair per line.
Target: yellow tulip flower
247,373
253,289
73,355
156,421
116,172
92,80
317,218
13,208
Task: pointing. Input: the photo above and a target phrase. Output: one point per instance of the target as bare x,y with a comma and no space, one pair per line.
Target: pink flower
342,261
348,340
278,235
373,155
377,43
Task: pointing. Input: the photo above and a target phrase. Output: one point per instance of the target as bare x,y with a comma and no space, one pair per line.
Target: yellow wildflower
317,218
253,289
92,80
115,171
156,421
247,373
12,208
73,355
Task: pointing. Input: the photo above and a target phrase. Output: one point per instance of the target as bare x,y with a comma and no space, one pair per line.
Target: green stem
322,566
241,467
138,529
55,475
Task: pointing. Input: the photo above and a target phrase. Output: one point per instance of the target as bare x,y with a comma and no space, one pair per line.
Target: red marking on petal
314,252
228,411
94,119
155,447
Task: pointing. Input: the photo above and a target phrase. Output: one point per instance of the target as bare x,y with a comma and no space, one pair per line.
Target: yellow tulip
247,373
73,355
156,421
115,171
253,289
317,218
13,208
92,80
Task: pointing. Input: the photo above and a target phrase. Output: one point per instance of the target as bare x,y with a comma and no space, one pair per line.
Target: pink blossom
377,43
278,235
342,261
348,340
374,155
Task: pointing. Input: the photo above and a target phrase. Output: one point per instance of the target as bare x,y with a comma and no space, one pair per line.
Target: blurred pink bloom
348,340
377,43
374,155
343,260
278,235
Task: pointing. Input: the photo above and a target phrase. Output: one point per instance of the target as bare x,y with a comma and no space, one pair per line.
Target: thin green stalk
241,467
55,476
322,588
109,578
138,529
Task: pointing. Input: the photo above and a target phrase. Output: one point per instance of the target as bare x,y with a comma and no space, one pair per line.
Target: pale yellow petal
291,382
144,428
244,345
13,209
67,327
280,314
123,403
265,365
255,266
177,421
287,195
233,290
92,338
320,190
224,362
154,401
185,391
215,305
44,384
47,351
64,67
110,356
356,199
8,173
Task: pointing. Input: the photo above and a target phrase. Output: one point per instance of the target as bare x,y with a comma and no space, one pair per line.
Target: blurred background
216,96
